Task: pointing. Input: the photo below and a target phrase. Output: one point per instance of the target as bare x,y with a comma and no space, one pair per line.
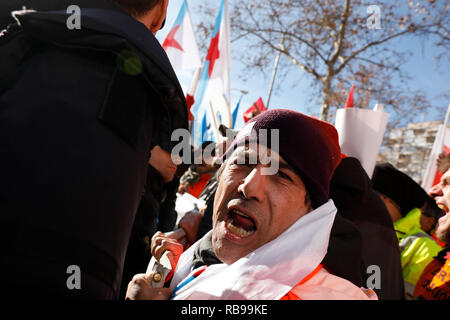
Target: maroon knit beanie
309,145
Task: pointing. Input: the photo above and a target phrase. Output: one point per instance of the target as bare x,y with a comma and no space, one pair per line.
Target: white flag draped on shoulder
361,133
180,44
267,273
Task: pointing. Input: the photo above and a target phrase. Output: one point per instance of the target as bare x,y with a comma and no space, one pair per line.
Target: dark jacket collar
116,31
155,182
113,22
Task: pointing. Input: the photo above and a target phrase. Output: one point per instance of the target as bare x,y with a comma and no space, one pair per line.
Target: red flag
349,103
190,102
171,42
257,108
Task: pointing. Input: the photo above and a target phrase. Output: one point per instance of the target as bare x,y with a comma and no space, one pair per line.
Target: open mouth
443,207
240,224
442,220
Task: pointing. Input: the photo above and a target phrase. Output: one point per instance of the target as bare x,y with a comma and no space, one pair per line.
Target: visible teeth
442,207
237,230
241,214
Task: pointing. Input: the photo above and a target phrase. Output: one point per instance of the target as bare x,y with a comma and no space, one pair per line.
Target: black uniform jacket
358,204
79,112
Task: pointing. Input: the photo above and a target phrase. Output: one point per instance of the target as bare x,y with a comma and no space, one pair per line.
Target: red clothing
322,285
290,295
198,187
442,244
434,283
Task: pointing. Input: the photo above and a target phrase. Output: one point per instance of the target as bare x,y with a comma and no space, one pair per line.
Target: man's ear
427,223
160,15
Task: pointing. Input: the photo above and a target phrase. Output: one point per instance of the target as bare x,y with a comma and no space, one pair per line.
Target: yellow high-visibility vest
417,248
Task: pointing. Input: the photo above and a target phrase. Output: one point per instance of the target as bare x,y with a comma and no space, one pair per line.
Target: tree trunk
326,91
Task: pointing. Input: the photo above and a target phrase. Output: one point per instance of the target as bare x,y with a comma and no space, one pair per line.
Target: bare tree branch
338,45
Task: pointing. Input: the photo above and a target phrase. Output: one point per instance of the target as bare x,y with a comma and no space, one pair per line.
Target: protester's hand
183,188
190,223
140,288
162,243
202,208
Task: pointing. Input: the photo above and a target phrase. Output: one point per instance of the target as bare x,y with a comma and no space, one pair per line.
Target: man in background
357,201
413,217
79,111
434,283
271,228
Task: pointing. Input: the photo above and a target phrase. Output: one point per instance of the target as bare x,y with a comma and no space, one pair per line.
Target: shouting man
434,284
271,222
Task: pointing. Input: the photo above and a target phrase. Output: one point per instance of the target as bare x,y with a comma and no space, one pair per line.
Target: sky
426,75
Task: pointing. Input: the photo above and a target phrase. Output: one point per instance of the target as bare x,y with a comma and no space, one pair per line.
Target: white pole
275,69
214,123
228,34
195,81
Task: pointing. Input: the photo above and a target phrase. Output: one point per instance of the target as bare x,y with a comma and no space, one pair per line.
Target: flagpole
227,17
235,111
195,81
275,69
214,123
228,33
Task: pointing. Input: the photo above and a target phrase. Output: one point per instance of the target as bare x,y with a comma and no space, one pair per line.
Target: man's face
250,208
392,207
158,16
441,193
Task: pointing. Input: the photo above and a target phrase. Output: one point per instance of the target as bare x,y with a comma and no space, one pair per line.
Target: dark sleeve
167,215
14,47
206,223
344,255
